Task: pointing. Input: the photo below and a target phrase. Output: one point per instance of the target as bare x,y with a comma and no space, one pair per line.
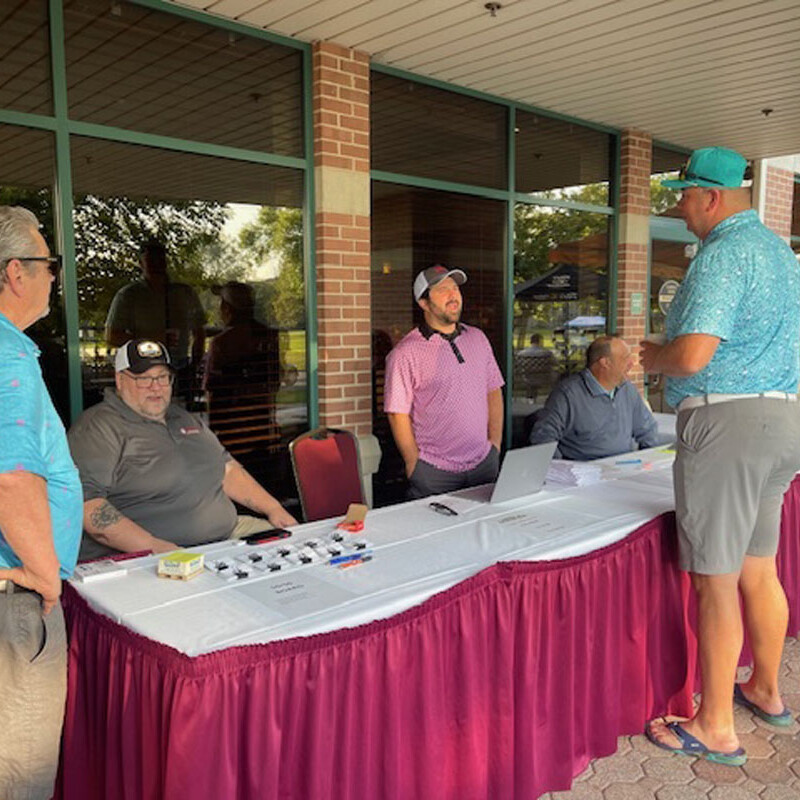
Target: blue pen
630,461
360,556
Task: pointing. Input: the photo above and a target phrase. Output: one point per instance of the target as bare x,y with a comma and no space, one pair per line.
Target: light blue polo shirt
744,287
32,439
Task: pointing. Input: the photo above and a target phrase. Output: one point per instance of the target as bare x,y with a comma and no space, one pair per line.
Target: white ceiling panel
691,72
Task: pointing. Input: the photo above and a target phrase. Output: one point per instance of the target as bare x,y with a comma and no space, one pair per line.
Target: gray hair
17,229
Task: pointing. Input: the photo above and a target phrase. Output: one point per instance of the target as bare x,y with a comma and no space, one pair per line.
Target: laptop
523,472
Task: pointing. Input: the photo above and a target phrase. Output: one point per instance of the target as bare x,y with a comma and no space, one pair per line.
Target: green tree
109,231
540,229
277,234
661,198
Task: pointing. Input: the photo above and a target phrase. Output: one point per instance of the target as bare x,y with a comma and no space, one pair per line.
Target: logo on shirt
189,431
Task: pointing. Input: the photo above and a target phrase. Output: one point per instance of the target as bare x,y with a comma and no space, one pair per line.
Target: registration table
489,654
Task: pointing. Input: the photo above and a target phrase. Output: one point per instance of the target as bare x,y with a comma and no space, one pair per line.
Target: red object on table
353,527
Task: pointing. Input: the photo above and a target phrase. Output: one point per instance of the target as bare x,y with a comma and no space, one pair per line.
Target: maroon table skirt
504,686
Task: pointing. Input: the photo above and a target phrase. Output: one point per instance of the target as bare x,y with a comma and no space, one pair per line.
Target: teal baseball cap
711,168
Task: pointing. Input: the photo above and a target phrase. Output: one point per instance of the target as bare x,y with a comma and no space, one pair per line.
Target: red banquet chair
327,470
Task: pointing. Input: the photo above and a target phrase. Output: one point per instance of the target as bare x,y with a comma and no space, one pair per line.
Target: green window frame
511,197
63,128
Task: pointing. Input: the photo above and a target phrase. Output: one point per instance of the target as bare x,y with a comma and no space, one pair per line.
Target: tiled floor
640,770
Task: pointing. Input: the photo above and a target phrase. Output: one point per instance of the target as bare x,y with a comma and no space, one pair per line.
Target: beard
443,315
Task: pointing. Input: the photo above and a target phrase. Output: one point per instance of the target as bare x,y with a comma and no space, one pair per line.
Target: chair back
327,471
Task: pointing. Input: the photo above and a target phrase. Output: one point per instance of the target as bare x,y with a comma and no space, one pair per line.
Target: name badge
189,431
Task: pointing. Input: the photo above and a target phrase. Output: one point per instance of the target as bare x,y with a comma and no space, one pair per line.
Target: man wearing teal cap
732,361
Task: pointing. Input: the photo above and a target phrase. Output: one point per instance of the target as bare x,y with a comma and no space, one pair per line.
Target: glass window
666,164
25,83
669,261
796,213
562,159
130,66
560,301
413,229
204,254
27,168
432,133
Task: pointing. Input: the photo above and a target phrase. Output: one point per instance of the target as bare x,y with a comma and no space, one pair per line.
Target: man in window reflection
242,376
597,412
40,508
245,356
158,309
443,393
154,476
534,367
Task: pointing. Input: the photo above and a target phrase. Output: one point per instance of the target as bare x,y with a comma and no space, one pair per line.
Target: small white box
99,570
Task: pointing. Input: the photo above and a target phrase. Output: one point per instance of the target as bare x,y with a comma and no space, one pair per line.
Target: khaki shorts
735,461
247,525
33,677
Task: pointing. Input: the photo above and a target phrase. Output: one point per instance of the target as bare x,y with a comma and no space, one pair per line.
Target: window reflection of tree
549,237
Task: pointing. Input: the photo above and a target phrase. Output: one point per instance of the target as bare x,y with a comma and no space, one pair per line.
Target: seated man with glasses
154,476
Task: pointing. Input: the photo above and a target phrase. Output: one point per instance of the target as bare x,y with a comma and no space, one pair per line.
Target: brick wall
635,161
778,200
341,145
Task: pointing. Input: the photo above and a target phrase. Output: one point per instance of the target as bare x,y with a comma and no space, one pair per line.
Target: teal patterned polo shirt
744,287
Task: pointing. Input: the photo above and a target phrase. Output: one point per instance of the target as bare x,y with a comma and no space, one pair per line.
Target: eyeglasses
149,381
53,262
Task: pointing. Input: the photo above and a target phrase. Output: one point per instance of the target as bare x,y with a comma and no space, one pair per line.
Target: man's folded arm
239,485
27,529
553,420
645,427
685,355
113,529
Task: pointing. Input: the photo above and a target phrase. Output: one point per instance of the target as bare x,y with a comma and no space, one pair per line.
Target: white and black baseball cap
138,355
432,275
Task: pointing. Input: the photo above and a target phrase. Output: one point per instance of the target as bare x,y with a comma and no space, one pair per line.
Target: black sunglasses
53,262
685,175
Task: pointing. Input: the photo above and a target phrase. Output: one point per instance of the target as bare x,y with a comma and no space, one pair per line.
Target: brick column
634,240
778,195
341,146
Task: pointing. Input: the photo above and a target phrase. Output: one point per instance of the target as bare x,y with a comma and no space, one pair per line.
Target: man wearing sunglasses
154,476
40,510
732,362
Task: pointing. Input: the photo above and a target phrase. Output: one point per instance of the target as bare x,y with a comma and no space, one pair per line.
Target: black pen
441,508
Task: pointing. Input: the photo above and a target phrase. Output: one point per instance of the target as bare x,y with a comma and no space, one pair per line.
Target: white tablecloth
416,553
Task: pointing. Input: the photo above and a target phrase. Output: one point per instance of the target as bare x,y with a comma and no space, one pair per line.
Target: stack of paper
573,473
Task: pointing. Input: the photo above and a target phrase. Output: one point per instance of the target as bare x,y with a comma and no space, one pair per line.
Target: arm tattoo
104,516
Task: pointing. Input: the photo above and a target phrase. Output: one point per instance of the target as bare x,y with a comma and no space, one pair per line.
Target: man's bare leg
719,635
766,616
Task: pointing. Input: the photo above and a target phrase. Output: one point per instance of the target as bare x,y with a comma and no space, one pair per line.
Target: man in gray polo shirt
732,362
598,412
154,476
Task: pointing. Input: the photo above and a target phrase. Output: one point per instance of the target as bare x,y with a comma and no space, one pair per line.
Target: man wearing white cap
154,476
444,393
732,362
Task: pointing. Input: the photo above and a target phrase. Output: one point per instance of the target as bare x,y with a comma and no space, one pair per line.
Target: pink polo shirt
447,400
